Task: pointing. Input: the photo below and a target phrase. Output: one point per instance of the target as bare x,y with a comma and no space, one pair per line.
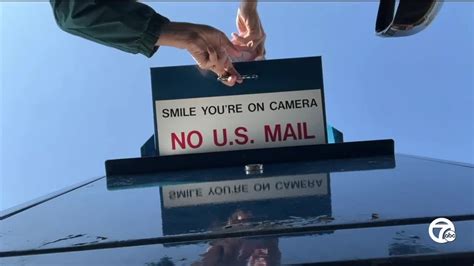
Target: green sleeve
126,25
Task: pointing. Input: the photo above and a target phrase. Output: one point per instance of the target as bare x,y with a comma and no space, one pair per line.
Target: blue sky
68,104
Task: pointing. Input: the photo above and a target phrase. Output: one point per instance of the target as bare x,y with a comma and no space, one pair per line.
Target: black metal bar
345,150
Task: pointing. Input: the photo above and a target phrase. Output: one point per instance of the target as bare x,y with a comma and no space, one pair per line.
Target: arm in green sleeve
126,25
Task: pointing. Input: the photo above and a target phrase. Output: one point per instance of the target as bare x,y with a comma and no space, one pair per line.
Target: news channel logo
447,232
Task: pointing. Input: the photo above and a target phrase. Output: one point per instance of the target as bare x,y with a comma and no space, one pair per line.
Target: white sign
244,190
240,122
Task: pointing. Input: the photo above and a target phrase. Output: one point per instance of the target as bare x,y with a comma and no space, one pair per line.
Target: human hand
250,38
209,47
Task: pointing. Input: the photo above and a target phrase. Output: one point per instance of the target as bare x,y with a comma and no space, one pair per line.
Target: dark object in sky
405,17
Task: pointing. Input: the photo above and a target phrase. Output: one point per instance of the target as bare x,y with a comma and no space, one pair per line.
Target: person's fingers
230,81
217,62
254,27
260,55
229,47
234,78
231,73
234,74
252,40
222,58
260,52
213,58
258,39
202,60
247,26
239,40
241,26
244,49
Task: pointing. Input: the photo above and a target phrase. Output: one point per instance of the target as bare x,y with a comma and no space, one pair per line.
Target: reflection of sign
244,190
240,122
213,204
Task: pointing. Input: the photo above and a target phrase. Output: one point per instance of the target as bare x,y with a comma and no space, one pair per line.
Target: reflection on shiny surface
406,243
241,251
252,203
343,245
132,208
234,251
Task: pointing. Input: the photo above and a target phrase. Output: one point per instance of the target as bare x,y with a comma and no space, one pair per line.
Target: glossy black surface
399,244
358,193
